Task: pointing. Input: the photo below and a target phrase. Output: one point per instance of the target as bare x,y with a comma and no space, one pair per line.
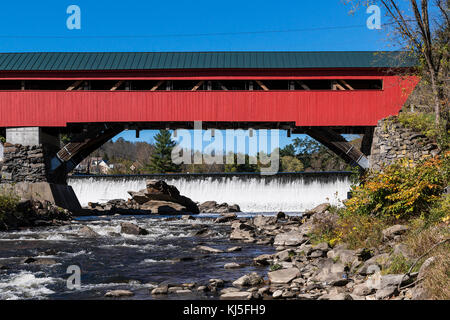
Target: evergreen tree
161,159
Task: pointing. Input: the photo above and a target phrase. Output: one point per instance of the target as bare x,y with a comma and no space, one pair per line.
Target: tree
288,150
426,37
244,167
161,159
291,164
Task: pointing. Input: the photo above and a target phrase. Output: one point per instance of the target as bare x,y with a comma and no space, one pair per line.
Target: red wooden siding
305,108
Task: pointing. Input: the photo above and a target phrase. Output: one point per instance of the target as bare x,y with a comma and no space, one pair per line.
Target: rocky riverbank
33,213
303,271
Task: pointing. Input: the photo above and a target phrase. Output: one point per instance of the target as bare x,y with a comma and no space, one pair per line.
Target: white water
252,194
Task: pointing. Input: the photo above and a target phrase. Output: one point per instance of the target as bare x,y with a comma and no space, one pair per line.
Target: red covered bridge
319,93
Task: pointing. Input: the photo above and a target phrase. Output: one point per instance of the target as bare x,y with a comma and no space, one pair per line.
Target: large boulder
161,198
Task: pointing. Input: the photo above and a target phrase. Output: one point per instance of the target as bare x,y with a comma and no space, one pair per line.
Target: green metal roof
79,61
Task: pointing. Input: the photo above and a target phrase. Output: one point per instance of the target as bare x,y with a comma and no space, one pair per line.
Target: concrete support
30,136
25,170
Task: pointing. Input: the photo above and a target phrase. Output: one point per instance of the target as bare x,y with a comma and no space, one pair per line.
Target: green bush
440,211
8,203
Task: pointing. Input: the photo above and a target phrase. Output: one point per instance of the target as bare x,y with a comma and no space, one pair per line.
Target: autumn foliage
402,190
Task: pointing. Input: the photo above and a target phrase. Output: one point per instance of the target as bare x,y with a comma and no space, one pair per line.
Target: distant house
93,165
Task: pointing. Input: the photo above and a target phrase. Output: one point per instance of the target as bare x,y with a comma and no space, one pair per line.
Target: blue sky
28,23
146,25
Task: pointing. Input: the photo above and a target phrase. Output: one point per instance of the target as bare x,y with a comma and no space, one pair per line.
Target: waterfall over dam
288,192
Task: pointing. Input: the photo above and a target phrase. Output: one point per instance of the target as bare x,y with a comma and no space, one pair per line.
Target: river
168,253
117,261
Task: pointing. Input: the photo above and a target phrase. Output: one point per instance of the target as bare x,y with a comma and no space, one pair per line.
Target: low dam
289,192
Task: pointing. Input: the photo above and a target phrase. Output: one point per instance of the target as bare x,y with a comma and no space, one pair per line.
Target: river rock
362,290
393,231
87,232
241,231
217,283
321,208
289,239
214,207
239,295
262,221
131,228
281,216
336,296
248,280
160,290
283,276
385,293
345,256
226,218
263,260
119,293
380,282
234,249
209,249
232,265
277,294
139,196
39,261
163,207
374,264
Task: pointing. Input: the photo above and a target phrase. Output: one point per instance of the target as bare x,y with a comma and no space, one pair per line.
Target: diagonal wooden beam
222,86
262,85
156,86
303,85
198,85
349,87
74,85
337,86
117,85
